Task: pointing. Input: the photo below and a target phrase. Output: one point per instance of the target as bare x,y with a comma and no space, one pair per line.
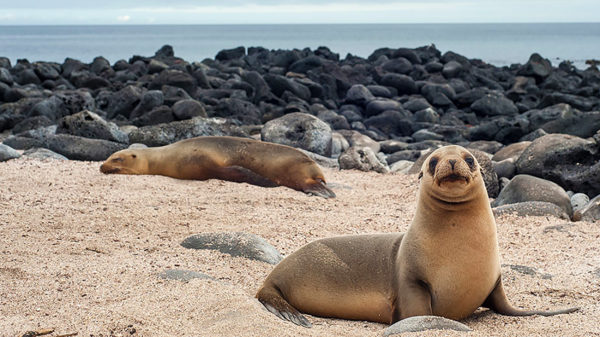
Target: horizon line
300,23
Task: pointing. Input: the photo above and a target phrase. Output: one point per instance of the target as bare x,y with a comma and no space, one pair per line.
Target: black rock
578,102
438,94
380,91
398,65
100,65
150,99
537,67
494,104
404,84
416,104
391,122
334,120
280,84
411,155
158,115
230,54
452,69
379,105
242,110
188,108
304,65
31,123
359,94
46,71
175,78
570,161
5,76
26,76
80,148
124,101
529,188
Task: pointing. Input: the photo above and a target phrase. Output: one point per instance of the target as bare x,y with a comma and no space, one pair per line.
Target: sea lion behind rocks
227,158
446,264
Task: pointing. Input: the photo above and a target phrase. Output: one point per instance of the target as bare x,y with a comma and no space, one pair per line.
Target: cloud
123,18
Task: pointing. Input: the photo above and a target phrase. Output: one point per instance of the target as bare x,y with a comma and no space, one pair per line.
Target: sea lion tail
319,188
274,302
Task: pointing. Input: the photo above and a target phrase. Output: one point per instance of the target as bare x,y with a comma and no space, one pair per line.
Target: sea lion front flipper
498,302
241,174
318,188
273,301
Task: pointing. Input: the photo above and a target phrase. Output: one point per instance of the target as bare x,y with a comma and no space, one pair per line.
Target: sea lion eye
133,156
432,164
470,161
118,159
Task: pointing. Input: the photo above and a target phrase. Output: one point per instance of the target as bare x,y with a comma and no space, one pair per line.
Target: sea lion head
125,162
451,174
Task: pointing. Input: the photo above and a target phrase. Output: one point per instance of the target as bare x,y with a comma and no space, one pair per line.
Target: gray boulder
494,104
529,188
590,212
43,154
423,323
363,159
570,161
532,208
359,94
164,134
80,148
357,139
512,151
188,108
240,244
8,153
299,130
579,201
89,125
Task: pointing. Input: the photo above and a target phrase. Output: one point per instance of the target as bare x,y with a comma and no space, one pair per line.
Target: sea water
498,44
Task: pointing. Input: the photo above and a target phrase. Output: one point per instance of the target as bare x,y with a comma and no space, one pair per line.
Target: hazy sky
27,12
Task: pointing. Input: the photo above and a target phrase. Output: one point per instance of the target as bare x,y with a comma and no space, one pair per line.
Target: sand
80,253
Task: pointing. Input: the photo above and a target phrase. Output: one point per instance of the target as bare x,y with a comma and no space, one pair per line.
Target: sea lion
446,264
227,158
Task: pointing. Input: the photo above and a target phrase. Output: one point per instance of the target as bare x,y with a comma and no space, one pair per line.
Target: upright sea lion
446,264
226,158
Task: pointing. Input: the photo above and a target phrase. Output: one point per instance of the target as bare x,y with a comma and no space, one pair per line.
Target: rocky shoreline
535,122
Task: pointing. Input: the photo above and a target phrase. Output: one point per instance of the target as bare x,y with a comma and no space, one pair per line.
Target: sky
77,12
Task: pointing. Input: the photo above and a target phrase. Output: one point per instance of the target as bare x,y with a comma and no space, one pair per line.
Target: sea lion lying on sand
227,158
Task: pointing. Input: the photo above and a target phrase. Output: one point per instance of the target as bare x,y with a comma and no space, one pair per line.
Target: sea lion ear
420,175
481,172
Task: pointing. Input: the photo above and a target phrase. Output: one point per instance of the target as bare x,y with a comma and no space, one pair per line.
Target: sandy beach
80,252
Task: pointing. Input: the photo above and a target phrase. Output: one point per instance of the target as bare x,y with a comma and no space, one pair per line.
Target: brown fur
226,158
447,263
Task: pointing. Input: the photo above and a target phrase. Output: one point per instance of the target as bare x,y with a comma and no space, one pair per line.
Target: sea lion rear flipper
273,301
498,302
241,174
318,188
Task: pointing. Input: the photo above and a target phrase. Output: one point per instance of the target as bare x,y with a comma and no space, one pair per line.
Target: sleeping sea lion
227,158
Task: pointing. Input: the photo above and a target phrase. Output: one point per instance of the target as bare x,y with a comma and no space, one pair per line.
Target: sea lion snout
107,169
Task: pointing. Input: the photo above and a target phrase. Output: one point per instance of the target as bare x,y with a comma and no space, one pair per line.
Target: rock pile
377,113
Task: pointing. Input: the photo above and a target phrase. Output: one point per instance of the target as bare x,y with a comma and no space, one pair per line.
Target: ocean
498,44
